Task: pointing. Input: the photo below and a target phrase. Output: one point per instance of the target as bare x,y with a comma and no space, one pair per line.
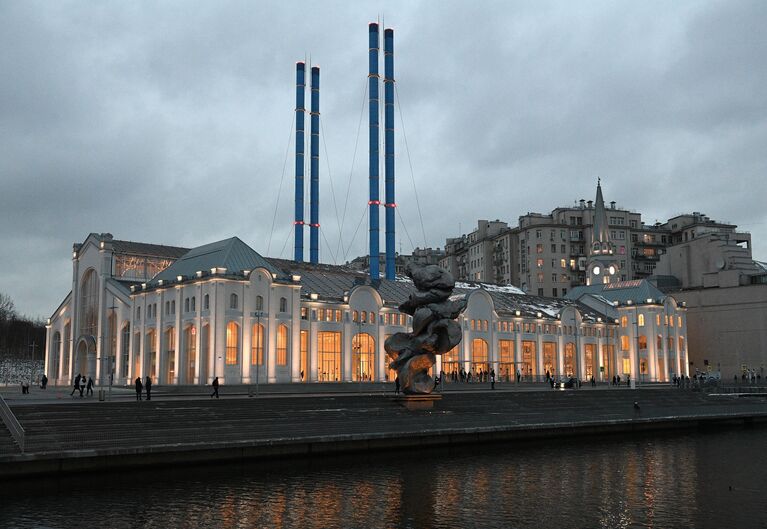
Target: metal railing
12,423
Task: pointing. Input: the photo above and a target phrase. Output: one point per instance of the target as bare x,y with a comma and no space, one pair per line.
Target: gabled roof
149,250
638,291
232,254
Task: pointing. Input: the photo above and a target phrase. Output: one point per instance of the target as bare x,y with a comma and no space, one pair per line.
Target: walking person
492,379
139,387
215,388
148,387
44,382
89,388
77,385
396,386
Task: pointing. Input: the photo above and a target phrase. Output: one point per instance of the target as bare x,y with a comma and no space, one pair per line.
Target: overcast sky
169,122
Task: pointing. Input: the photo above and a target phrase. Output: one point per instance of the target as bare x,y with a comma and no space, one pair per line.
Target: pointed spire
601,231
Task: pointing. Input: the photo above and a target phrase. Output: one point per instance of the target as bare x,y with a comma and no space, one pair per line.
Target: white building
186,316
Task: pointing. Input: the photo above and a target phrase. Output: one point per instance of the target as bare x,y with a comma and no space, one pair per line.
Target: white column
295,335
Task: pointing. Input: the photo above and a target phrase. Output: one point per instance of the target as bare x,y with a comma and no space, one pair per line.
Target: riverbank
74,436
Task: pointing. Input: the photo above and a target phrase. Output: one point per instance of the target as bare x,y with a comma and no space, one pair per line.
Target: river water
701,480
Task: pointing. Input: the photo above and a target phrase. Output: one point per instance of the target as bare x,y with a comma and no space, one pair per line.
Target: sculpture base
417,402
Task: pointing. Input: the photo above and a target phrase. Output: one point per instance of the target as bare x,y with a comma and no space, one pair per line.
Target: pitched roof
232,254
638,291
149,250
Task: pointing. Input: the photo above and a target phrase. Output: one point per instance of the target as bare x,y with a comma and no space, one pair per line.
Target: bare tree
7,309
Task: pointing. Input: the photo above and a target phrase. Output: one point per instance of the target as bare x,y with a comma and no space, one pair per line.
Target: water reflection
649,481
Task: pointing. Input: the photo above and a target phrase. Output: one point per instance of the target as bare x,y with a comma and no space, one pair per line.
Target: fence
12,423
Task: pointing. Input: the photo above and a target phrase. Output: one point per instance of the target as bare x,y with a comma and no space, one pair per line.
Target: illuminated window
641,320
402,320
538,248
232,343
257,345
338,315
642,342
329,356
626,366
657,320
550,357
363,317
233,301
190,338
170,355
355,315
304,313
539,263
624,321
659,342
321,314
671,321
624,343
569,359
479,355
472,324
363,357
528,358
679,321
282,345
484,325
681,344
304,356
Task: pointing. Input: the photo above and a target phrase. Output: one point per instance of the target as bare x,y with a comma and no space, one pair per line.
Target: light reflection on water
649,481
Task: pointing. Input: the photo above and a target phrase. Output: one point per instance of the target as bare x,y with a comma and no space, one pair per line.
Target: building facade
222,310
547,254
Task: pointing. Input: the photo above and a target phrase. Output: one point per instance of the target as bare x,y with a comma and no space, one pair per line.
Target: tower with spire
602,265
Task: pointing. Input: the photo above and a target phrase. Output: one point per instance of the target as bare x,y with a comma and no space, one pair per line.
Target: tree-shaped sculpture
435,330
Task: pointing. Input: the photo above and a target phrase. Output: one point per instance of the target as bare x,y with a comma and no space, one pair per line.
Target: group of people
80,385
617,380
469,377
147,386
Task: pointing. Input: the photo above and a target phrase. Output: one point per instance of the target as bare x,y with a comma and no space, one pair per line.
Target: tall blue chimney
300,110
389,148
314,220
374,200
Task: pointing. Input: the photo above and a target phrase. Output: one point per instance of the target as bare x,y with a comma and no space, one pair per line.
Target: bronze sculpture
435,331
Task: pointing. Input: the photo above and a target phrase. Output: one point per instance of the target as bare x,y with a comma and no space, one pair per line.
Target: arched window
484,325
355,316
640,320
186,305
569,359
190,339
257,345
624,321
479,355
151,347
89,301
283,305
125,350
473,324
206,302
282,345
194,304
54,355
659,342
363,357
363,317
259,303
170,355
233,301
232,343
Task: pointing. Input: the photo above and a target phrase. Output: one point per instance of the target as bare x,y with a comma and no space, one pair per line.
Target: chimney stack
300,142
374,201
314,220
389,150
